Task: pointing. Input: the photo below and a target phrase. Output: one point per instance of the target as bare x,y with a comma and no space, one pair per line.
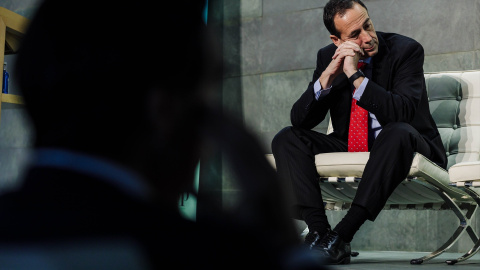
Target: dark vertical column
211,176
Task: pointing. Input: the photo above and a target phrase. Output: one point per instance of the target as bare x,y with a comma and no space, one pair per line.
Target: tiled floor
392,260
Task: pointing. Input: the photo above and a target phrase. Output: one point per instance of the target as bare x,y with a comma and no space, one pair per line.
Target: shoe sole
345,260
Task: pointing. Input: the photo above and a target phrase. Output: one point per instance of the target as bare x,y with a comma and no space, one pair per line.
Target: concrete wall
25,8
270,51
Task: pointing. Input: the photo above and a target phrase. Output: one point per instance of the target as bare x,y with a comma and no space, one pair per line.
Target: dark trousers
391,156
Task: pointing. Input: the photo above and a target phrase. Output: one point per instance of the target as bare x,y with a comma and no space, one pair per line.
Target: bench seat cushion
465,171
352,164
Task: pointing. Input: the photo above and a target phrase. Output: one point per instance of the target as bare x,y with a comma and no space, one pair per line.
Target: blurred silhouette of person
118,99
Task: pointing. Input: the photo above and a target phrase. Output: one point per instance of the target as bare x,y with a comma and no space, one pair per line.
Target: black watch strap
355,76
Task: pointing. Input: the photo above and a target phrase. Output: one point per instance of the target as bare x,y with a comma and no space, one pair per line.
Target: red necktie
358,129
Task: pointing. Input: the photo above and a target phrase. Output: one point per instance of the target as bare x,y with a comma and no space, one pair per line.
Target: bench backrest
454,99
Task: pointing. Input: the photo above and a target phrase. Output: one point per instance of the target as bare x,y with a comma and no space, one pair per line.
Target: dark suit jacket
395,93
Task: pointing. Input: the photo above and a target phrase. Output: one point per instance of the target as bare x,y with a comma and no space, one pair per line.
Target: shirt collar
366,60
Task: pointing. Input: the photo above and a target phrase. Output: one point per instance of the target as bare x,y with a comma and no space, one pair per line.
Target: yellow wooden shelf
12,29
14,99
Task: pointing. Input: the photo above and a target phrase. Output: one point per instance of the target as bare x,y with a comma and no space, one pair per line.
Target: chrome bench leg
470,231
464,223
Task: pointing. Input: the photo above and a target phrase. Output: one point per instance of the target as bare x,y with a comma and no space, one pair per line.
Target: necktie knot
361,65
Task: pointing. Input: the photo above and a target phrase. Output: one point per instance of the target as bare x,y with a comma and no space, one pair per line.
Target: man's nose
365,37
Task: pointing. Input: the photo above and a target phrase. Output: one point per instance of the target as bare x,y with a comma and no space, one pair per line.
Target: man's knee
397,129
398,133
281,138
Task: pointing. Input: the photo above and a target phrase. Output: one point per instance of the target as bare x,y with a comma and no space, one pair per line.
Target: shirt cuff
359,92
319,92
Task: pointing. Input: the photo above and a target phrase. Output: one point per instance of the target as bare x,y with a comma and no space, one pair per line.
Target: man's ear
335,40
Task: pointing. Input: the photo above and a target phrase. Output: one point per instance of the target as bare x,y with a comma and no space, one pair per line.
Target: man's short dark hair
334,7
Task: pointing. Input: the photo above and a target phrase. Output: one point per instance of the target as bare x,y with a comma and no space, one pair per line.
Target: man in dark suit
390,90
117,97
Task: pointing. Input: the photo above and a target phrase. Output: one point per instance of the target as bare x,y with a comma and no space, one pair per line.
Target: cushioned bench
454,100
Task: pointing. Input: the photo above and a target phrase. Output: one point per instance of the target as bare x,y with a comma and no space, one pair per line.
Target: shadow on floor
392,260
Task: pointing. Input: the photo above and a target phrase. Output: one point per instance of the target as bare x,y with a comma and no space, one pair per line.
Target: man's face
355,26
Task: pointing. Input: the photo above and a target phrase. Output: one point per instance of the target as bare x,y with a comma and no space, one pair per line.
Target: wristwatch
355,76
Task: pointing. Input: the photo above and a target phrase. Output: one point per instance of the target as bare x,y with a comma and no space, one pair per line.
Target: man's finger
344,53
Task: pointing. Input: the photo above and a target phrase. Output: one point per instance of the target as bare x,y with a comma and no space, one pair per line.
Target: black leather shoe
312,238
333,249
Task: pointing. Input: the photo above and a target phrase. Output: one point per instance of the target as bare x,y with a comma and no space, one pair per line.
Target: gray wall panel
291,41
280,91
451,61
441,26
253,105
12,164
251,48
286,6
476,23
15,129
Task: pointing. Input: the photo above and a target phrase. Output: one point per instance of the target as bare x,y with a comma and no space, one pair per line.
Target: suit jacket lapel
381,65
